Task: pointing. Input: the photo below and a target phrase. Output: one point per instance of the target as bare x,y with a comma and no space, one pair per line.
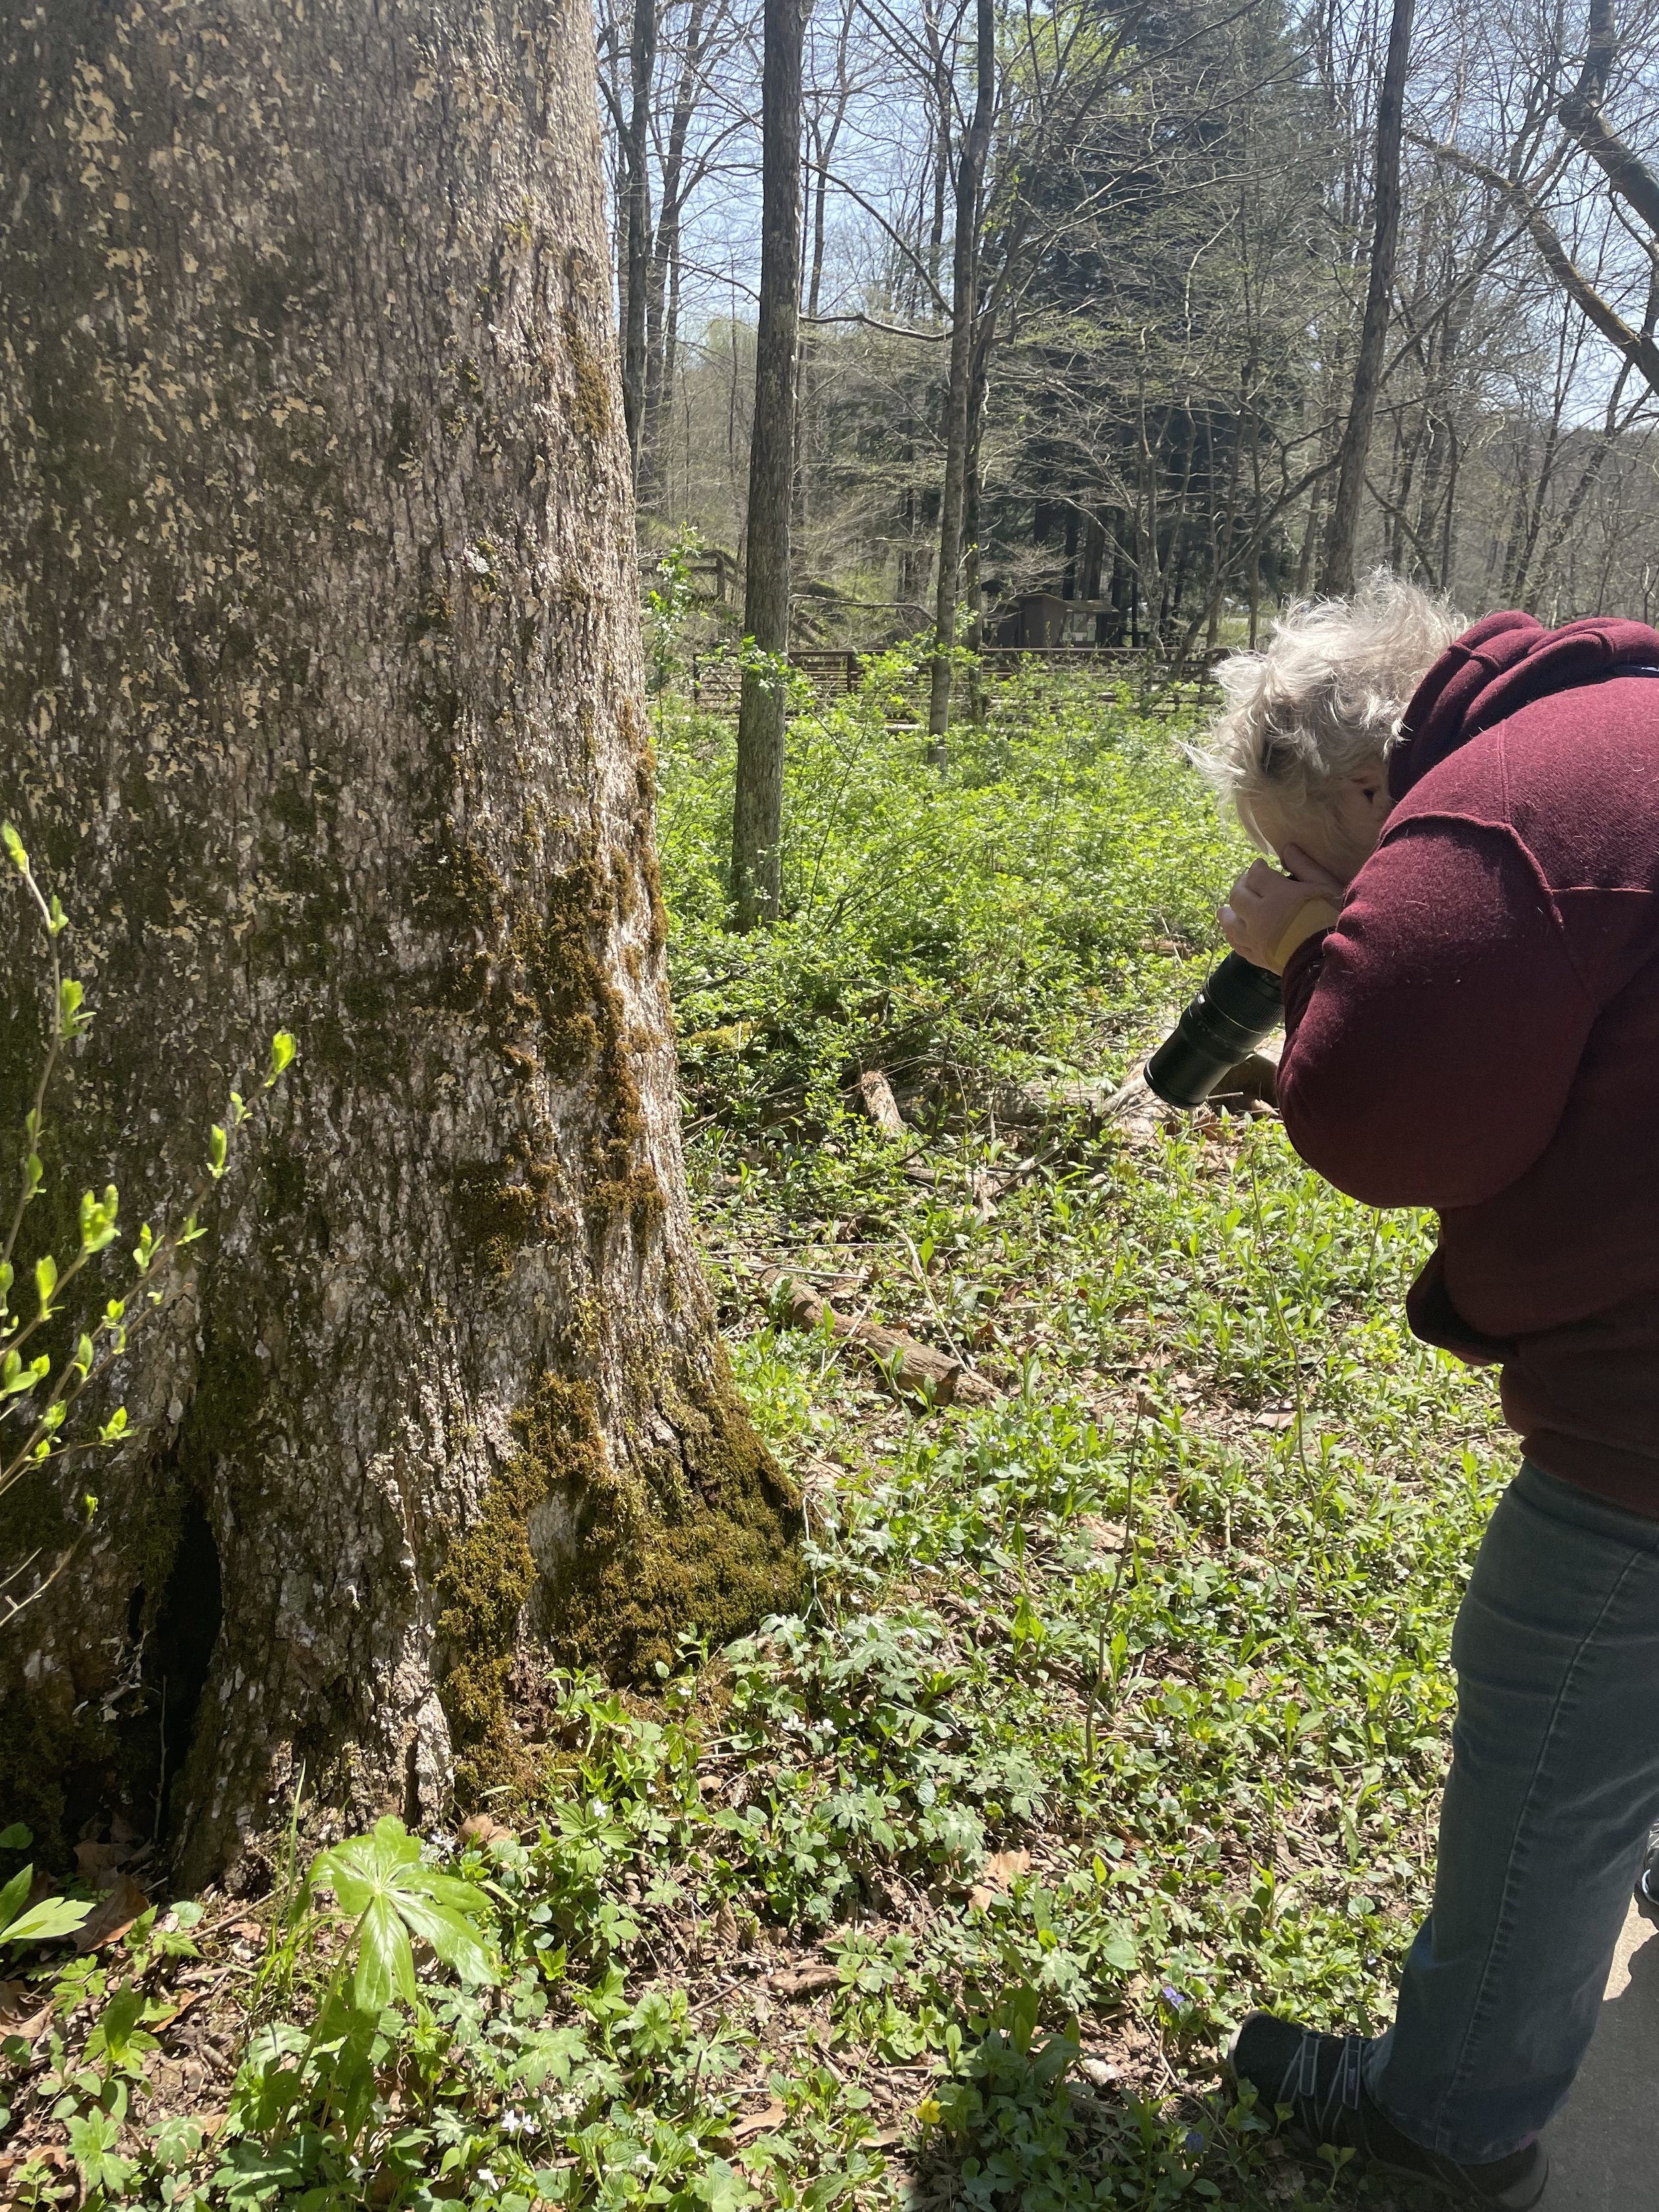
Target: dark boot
1319,2078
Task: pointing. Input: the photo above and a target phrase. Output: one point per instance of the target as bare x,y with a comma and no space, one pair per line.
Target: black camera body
1239,1006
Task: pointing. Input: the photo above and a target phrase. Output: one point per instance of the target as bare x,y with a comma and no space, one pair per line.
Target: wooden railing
833,671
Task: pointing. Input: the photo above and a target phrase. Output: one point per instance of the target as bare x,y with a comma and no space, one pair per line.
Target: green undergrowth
1025,902
1117,1707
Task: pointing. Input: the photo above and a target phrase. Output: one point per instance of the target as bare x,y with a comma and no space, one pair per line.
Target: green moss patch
714,1553
713,1558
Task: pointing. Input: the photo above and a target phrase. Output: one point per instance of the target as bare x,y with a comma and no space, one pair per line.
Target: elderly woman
1466,915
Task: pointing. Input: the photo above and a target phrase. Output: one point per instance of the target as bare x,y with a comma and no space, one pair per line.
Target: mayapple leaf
381,1882
386,1962
450,1934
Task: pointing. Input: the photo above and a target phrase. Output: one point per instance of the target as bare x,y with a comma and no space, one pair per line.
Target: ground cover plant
1120,1701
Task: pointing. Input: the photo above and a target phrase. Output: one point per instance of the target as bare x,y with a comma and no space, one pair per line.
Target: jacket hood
1503,664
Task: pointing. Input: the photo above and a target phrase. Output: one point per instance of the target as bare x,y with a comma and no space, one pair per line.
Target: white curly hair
1324,697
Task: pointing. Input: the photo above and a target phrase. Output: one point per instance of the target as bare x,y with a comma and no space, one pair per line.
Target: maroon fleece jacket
1479,1031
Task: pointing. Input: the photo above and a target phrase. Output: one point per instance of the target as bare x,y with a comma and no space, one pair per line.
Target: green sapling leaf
218,1145
14,845
16,1377
46,1282
282,1049
73,1016
98,1218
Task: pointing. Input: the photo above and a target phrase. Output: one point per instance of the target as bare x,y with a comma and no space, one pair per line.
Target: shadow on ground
1604,2144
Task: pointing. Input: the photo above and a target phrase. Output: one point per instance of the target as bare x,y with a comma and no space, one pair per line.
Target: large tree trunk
758,803
959,390
319,687
1337,573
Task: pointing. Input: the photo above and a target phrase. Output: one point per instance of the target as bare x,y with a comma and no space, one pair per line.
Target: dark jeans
1554,1781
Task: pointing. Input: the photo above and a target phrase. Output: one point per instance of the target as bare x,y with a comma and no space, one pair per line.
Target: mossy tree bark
319,690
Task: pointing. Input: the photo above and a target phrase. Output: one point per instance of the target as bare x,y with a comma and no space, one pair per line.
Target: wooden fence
834,672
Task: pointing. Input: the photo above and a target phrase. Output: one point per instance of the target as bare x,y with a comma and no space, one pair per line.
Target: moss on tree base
703,1536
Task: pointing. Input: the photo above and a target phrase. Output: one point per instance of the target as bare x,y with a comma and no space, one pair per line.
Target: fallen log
875,1095
1133,1112
913,1367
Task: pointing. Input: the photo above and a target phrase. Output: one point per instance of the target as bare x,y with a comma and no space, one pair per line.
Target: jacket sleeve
1433,1032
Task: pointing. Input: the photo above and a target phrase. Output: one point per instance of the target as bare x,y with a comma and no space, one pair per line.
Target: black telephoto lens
1239,1006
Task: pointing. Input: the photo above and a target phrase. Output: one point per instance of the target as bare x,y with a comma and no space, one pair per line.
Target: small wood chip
760,2122
801,1981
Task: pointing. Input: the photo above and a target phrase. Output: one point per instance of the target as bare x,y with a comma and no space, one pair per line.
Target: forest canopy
1172,237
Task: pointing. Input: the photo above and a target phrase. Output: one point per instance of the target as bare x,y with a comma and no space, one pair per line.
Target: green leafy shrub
40,1394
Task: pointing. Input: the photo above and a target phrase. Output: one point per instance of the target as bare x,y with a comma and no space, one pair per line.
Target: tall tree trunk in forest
1337,570
320,690
758,804
662,282
636,162
824,153
958,392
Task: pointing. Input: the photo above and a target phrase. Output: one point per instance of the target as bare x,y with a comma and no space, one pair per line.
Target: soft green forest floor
1122,1703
